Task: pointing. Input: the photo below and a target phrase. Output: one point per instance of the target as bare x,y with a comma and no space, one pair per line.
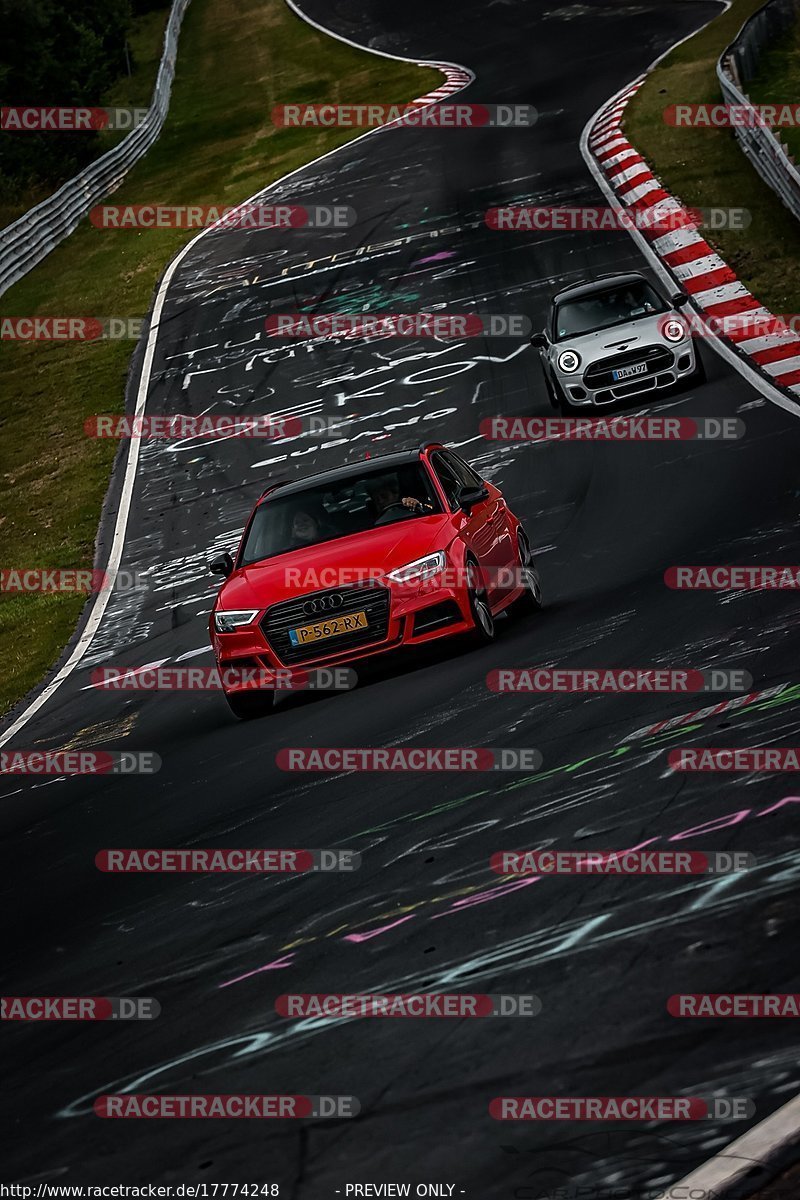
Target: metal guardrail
737,65
32,236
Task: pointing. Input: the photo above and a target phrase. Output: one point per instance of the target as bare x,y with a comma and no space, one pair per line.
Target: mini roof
603,283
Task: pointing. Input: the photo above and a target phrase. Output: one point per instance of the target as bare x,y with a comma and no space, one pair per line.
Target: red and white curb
455,78
772,363
683,252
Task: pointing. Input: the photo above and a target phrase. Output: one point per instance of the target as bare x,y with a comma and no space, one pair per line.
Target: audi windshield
603,310
342,506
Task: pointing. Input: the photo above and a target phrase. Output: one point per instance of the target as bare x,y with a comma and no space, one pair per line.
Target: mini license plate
627,372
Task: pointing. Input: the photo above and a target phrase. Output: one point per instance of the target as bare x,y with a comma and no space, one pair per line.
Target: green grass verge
235,62
704,167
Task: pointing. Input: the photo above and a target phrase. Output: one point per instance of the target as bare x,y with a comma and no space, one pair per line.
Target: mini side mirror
539,341
222,565
679,299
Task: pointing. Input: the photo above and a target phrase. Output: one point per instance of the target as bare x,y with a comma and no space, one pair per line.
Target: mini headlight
420,569
227,621
674,330
568,361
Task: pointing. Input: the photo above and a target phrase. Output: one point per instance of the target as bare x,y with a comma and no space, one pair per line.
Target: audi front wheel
479,605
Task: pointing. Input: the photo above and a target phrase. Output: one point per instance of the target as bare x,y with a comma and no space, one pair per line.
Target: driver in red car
385,494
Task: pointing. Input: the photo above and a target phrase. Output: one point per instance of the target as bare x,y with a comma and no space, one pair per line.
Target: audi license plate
325,629
627,372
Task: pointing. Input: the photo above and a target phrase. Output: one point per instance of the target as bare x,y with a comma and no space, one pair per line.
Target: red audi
396,551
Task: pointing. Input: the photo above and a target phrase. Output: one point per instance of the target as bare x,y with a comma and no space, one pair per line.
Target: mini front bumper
581,394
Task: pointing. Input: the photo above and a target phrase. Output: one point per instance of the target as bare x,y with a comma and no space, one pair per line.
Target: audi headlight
674,330
228,621
568,361
420,569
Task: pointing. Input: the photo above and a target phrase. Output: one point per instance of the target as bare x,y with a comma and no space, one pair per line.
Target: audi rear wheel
532,599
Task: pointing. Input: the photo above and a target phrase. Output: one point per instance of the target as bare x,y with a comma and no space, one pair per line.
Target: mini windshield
616,306
367,499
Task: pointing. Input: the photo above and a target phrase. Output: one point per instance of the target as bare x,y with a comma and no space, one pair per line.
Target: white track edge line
123,511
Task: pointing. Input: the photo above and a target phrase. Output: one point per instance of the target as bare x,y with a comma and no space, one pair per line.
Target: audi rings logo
324,604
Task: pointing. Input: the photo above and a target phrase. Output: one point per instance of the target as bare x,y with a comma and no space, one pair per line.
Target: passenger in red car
305,528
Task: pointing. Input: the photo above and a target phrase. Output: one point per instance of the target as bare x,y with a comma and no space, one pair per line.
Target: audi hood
339,563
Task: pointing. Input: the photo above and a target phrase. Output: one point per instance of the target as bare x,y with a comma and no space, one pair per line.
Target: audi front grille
372,599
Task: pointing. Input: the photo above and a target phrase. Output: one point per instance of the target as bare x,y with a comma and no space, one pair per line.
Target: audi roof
381,462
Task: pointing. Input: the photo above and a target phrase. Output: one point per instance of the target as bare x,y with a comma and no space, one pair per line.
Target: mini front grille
600,374
372,599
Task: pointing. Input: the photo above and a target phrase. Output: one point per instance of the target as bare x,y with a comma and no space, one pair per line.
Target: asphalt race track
424,912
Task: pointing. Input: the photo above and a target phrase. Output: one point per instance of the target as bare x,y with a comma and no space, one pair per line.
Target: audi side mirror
468,497
539,341
222,565
679,299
